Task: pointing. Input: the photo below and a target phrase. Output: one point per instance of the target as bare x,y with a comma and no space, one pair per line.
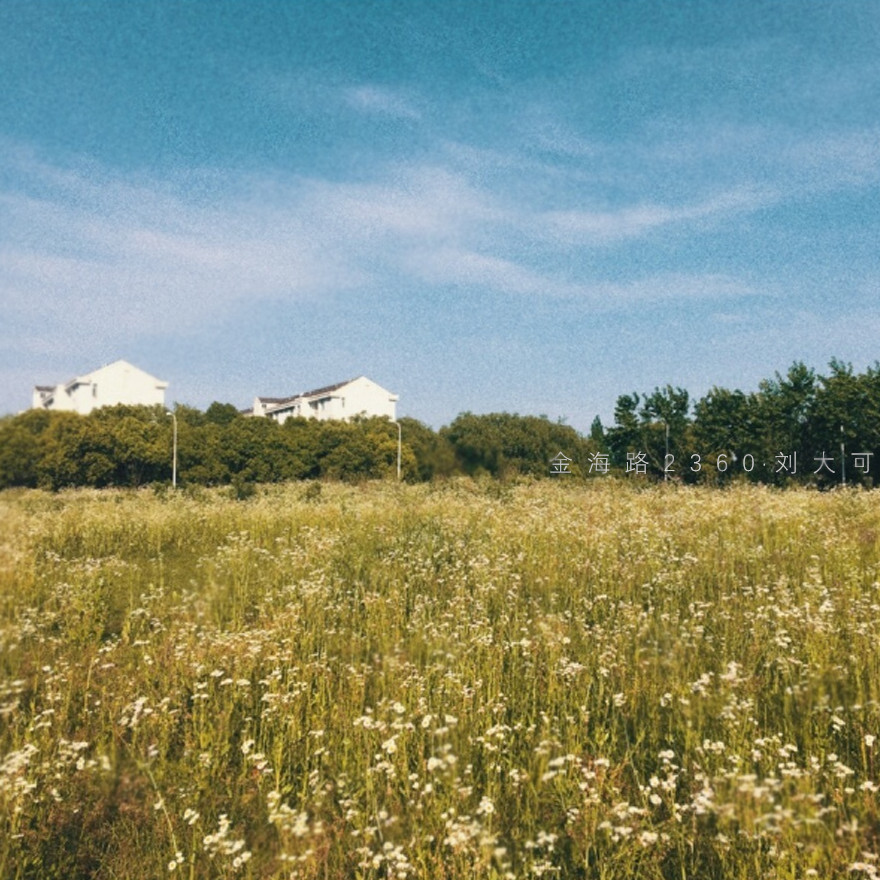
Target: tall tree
724,432
840,423
664,416
785,405
626,435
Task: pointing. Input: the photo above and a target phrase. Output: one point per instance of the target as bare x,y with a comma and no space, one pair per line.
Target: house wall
116,383
58,399
361,396
289,411
123,383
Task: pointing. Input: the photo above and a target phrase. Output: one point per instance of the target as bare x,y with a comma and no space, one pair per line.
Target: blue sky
531,207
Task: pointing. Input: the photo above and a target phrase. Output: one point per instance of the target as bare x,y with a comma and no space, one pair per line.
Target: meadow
471,679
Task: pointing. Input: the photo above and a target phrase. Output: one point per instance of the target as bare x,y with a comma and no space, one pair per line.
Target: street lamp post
399,436
174,452
666,460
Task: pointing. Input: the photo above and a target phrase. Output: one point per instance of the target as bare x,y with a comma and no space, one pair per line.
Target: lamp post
666,460
399,436
174,452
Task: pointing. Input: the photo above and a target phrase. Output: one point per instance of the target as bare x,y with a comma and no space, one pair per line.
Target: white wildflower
486,807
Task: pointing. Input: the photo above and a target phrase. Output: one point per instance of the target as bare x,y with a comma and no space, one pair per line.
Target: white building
356,397
118,382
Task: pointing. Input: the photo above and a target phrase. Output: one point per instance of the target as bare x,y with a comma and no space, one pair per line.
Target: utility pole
174,451
666,460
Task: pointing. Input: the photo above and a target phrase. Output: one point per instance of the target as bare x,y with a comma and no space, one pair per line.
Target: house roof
277,399
88,378
326,389
79,380
277,403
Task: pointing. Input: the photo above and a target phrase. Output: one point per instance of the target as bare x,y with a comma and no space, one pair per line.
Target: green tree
67,457
625,435
432,453
870,416
202,454
128,445
21,446
361,449
302,438
725,432
505,443
784,410
664,431
843,413
476,442
254,450
221,413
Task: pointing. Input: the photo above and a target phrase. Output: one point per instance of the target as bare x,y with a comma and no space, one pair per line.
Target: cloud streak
85,250
607,227
381,100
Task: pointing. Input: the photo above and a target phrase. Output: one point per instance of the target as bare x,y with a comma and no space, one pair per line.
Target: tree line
800,427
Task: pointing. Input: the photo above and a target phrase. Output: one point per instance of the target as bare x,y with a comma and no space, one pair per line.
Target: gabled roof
78,380
277,399
277,403
327,388
88,378
274,405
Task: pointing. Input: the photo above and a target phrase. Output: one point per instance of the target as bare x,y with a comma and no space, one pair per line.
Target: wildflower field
465,680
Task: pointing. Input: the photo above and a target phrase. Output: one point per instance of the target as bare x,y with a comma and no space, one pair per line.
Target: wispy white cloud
381,100
604,227
841,159
411,202
459,266
770,161
671,287
306,92
86,251
130,258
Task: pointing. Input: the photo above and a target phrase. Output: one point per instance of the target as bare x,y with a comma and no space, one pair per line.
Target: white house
119,382
355,397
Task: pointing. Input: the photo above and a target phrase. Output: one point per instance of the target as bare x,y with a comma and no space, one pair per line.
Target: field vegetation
472,679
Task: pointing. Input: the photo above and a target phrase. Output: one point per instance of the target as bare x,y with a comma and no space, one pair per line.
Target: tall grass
468,680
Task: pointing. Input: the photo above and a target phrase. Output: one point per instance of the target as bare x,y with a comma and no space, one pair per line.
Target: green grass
464,680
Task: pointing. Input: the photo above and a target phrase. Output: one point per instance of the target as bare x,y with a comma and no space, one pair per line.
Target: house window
94,390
